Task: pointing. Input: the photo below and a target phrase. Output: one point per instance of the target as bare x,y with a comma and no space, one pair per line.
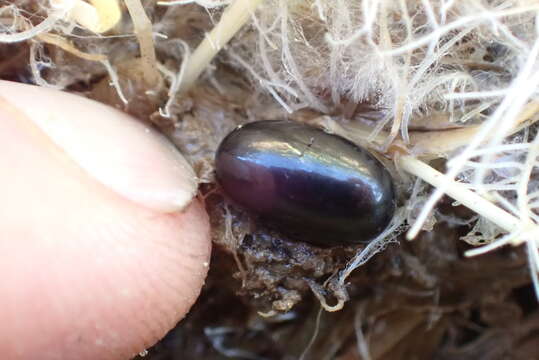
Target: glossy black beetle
317,187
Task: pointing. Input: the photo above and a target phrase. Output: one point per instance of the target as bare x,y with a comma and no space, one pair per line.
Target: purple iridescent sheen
311,185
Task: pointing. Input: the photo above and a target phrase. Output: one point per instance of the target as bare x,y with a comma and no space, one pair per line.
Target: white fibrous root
18,28
96,16
476,62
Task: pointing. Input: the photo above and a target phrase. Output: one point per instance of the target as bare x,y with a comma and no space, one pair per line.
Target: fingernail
123,154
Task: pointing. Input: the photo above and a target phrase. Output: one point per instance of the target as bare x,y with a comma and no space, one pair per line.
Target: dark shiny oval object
317,187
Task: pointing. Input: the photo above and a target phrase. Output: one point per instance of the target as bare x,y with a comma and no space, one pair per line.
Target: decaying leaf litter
432,87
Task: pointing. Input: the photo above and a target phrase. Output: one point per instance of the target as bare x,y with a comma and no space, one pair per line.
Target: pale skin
103,249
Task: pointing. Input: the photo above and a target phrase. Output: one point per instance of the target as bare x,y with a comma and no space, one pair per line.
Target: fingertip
88,272
123,154
108,295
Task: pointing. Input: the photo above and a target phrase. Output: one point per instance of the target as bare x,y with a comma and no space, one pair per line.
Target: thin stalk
234,17
143,31
460,193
